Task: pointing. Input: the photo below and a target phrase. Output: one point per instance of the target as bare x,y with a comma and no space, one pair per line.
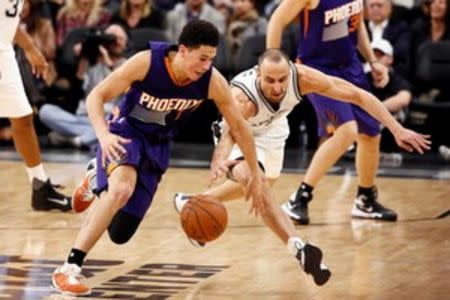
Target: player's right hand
257,190
220,168
411,140
37,61
112,147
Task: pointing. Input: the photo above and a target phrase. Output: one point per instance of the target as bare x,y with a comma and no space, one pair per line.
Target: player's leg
309,255
15,106
335,119
121,182
367,160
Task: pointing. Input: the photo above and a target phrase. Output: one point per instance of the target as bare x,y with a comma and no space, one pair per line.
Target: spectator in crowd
244,23
80,13
139,14
75,129
192,10
429,88
396,95
432,30
381,26
43,34
225,7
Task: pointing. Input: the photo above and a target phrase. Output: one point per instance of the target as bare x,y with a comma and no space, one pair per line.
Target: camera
92,40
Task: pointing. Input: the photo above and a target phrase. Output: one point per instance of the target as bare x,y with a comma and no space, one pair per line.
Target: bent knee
120,194
348,132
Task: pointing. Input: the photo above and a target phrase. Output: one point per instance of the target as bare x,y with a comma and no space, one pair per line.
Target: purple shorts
333,113
148,155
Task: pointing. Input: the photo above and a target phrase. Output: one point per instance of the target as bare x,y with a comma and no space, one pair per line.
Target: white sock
37,172
294,243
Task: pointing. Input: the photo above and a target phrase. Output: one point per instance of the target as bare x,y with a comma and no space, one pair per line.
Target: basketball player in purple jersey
330,33
166,83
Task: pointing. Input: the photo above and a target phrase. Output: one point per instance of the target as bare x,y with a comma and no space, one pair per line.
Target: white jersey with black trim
269,125
9,20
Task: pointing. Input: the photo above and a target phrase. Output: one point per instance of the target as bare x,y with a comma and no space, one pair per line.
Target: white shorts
271,159
13,100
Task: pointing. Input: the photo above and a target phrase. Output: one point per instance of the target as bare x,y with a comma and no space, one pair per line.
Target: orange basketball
204,218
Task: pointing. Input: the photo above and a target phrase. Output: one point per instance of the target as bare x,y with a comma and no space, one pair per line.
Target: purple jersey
149,115
328,33
156,104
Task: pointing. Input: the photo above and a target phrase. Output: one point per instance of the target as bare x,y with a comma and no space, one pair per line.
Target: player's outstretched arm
314,81
134,69
222,150
284,14
35,57
219,91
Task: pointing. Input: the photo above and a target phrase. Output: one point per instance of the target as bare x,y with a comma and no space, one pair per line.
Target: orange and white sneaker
68,280
83,196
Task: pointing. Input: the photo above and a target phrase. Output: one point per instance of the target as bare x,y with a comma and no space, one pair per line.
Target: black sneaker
310,258
45,197
367,207
297,209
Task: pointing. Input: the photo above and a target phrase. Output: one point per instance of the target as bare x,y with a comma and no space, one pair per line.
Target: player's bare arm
284,14
35,57
222,150
380,72
314,81
112,86
219,91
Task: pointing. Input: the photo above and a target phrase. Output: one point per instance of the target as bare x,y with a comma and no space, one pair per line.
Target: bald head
273,56
273,66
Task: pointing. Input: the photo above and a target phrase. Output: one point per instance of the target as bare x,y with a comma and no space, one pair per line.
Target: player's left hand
380,74
220,168
37,61
411,140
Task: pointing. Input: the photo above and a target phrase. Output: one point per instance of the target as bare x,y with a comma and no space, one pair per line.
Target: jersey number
12,12
354,22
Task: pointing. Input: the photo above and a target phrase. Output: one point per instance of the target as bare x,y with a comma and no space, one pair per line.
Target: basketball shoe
83,195
45,197
366,206
69,281
310,257
179,200
297,207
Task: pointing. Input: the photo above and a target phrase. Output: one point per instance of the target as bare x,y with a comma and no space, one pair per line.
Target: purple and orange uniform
149,116
328,40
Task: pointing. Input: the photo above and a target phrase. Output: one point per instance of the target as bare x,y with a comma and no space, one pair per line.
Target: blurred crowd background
84,40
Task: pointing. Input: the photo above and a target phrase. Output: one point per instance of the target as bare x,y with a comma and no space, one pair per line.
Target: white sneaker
179,200
68,280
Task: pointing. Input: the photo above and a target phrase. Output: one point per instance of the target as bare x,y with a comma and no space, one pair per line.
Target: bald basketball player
266,94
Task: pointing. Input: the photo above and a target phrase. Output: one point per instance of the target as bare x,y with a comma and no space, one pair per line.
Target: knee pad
123,226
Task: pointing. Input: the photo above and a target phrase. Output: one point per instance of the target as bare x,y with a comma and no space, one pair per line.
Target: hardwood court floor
409,259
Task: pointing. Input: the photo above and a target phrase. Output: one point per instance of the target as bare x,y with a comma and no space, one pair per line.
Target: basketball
204,218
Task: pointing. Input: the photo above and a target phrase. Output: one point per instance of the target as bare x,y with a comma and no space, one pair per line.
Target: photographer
100,53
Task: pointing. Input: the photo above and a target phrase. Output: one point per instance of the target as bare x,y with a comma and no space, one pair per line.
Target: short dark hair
273,55
199,33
